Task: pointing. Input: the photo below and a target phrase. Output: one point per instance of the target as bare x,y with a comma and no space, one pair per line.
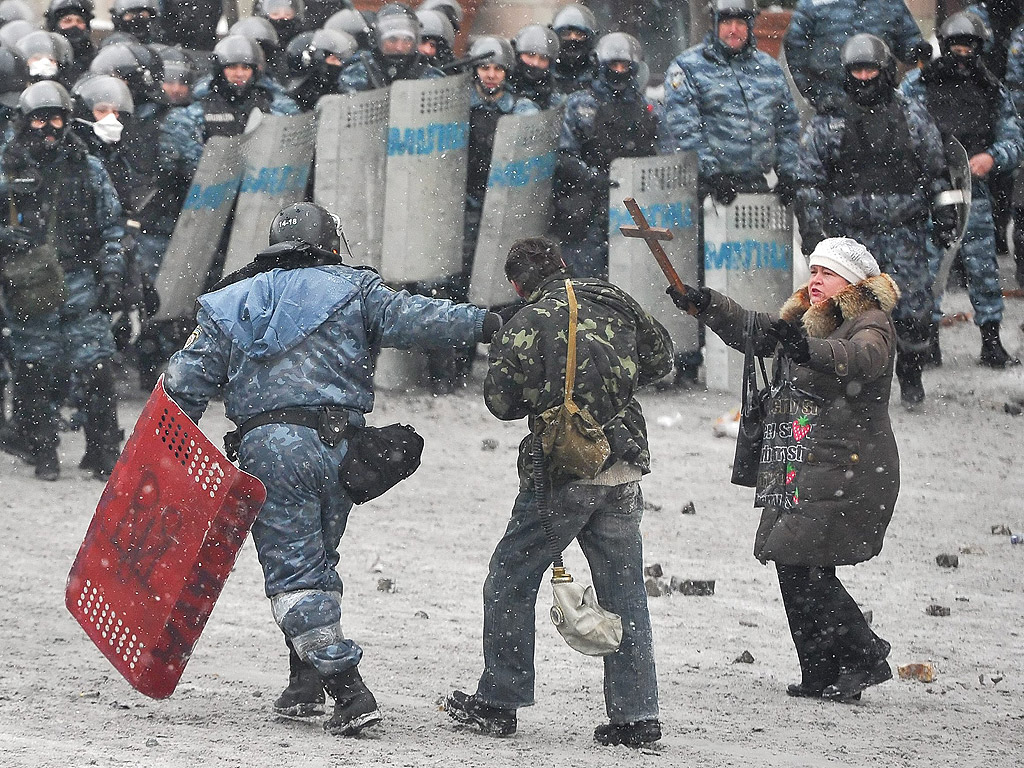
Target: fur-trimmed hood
821,320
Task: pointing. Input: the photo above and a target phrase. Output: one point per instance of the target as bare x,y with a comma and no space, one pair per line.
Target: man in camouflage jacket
620,347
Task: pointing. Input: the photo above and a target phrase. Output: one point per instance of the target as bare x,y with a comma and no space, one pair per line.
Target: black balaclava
34,139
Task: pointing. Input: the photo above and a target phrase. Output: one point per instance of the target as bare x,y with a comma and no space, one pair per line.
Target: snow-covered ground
62,704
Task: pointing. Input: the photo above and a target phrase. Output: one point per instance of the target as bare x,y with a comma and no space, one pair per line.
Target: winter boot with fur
354,705
304,696
992,352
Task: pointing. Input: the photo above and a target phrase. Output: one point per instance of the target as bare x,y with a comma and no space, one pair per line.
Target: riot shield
199,228
351,146
518,199
277,157
960,197
748,256
164,538
666,189
425,189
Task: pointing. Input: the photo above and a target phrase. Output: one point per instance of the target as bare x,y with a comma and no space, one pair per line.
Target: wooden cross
651,235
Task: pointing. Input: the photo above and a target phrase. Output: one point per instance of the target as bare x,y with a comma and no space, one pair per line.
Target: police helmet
238,49
499,48
177,65
309,223
44,95
308,51
120,7
734,9
866,50
140,67
450,8
60,8
618,46
257,28
963,28
13,77
434,25
13,31
266,7
10,10
575,16
93,90
396,24
354,23
47,44
538,39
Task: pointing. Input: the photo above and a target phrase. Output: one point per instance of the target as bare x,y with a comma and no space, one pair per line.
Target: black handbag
752,413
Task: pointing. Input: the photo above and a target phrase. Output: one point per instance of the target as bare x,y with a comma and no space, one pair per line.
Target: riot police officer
142,19
969,103
261,31
395,55
437,37
178,74
315,62
533,76
611,118
576,27
66,219
872,173
311,364
47,55
13,79
285,16
359,24
73,20
450,8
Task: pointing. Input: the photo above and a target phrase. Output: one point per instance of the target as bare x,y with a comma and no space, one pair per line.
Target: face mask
75,35
143,30
574,51
43,69
108,129
618,81
867,92
286,29
533,75
35,140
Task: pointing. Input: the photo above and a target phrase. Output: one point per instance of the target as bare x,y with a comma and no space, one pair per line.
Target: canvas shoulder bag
574,444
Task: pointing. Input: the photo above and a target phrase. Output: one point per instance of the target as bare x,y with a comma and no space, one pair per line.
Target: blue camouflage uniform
600,125
978,250
368,72
892,225
304,338
1014,82
735,110
819,28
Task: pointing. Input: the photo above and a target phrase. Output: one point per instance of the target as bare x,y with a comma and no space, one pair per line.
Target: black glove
111,294
922,52
695,298
15,240
492,324
722,187
785,190
793,341
945,226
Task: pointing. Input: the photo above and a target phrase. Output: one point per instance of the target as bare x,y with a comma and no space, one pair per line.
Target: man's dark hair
531,260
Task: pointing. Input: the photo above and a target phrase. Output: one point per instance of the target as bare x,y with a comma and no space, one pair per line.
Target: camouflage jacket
1015,68
619,348
305,337
735,110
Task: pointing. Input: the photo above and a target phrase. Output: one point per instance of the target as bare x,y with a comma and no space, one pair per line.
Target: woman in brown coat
829,470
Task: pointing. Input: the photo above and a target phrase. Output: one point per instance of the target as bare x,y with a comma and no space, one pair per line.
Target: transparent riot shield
518,199
959,197
277,156
748,256
425,188
351,153
666,189
199,228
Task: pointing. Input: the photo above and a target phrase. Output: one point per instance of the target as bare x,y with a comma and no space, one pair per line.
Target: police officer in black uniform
533,76
73,20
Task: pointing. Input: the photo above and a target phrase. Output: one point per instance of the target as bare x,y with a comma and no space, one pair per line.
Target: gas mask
43,69
108,129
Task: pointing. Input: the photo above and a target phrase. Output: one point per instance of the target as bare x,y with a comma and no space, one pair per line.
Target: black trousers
828,628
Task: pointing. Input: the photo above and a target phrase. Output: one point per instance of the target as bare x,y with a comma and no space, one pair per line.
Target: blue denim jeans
606,522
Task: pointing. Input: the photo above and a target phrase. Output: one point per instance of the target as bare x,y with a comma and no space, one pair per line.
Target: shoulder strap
570,358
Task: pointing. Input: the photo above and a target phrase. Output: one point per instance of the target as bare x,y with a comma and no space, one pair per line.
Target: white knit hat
846,257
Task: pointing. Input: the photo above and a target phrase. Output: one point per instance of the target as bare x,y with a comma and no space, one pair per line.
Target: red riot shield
164,538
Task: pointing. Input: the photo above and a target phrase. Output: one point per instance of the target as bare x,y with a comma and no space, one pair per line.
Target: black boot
992,352
908,371
102,435
32,435
304,696
932,357
354,705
